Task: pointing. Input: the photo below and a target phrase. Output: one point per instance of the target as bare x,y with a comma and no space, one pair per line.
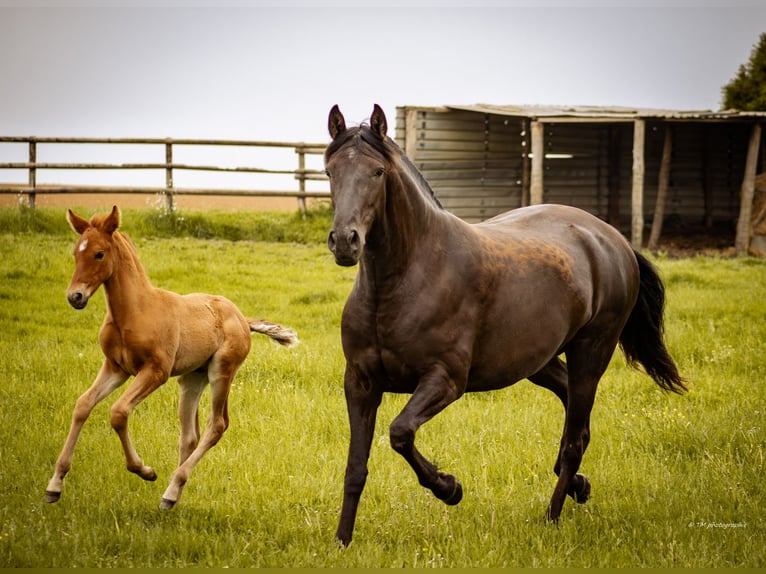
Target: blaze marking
83,245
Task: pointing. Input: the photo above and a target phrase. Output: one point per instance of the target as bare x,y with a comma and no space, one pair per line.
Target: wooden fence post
32,196
169,200
637,197
742,241
301,178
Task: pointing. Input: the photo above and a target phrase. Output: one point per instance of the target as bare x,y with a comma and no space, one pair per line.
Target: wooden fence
31,188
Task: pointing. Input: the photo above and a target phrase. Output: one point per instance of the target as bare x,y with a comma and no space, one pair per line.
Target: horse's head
356,161
93,255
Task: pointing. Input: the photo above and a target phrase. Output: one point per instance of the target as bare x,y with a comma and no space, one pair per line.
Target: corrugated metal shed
480,159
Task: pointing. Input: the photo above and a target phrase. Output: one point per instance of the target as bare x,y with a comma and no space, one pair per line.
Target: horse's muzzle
346,246
77,299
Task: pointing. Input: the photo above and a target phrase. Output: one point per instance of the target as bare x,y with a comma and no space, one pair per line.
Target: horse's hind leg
191,386
221,377
107,380
554,377
434,392
587,360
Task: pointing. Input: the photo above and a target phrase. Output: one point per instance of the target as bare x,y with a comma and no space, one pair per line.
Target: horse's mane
122,241
386,147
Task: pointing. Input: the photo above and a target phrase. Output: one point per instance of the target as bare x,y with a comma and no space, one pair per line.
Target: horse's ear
112,222
77,223
378,121
336,122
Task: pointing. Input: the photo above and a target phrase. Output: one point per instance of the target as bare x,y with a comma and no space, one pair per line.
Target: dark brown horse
441,307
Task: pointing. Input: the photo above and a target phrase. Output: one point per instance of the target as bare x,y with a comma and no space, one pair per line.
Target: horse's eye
99,256
380,171
327,172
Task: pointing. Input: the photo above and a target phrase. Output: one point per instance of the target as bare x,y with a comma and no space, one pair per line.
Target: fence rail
31,188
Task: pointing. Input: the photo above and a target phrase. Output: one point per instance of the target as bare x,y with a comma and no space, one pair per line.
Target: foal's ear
112,222
378,121
336,123
77,223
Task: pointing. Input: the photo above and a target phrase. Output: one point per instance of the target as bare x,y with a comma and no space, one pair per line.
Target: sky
267,70
271,70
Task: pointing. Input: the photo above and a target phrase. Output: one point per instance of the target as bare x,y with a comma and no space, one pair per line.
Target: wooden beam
538,157
526,164
662,189
707,161
411,133
613,175
637,193
742,241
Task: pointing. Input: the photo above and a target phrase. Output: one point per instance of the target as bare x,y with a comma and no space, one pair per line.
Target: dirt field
184,202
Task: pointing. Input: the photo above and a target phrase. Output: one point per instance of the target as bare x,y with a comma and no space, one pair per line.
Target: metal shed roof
604,113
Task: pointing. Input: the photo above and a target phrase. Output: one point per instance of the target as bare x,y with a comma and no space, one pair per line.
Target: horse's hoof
51,496
581,494
149,476
456,496
166,504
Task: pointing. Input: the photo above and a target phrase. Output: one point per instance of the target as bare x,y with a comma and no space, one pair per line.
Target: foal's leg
108,379
554,377
434,392
221,375
191,386
362,401
148,379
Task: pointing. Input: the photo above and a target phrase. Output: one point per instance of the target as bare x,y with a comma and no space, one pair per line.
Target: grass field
677,481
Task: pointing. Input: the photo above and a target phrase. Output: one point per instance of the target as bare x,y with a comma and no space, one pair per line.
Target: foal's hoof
457,494
51,496
166,504
581,494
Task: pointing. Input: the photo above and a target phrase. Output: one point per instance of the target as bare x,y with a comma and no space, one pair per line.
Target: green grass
677,481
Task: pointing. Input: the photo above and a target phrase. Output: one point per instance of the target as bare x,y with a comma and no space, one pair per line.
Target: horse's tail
642,338
280,334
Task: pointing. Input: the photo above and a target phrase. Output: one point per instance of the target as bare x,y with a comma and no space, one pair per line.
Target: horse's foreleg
434,392
217,423
107,380
147,380
362,402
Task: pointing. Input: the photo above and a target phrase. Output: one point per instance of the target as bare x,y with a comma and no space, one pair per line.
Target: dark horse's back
611,287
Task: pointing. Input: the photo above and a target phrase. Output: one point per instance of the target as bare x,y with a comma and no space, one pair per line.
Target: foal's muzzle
346,246
77,299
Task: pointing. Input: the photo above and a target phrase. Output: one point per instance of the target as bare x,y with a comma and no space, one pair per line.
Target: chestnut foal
154,334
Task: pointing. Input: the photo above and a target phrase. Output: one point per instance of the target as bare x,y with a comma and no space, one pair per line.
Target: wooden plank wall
474,162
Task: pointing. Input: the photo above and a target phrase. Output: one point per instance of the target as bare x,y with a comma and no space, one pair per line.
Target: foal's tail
642,338
282,335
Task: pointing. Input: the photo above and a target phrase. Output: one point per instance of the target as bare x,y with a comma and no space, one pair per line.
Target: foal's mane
386,147
122,241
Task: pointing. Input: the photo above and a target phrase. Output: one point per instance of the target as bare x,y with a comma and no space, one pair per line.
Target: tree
747,90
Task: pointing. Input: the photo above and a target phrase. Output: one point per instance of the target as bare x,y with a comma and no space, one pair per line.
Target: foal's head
357,162
94,254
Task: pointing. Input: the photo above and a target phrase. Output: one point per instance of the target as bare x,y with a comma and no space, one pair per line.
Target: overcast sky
271,70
